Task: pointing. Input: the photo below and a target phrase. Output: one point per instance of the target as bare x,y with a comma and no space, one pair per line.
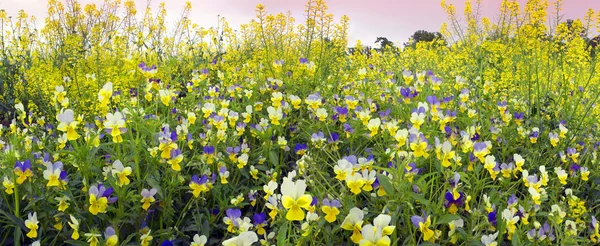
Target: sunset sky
394,19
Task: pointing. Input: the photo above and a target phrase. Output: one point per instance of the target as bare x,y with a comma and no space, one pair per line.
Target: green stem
17,211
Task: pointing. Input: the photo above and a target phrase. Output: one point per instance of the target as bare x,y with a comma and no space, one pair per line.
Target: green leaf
274,158
15,219
128,239
281,235
385,183
447,219
17,235
387,169
154,184
419,198
516,239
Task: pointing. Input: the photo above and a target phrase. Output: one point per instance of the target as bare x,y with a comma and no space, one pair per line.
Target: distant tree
594,45
424,36
384,42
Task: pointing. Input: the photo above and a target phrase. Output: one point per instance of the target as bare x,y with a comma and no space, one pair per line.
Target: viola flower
562,130
331,209
294,199
321,114
242,161
561,174
595,234
167,143
417,117
543,175
435,83
99,198
423,224
166,96
353,222
446,154
511,222
373,237
63,203
573,154
411,171
176,159
253,172
8,185
533,136
273,206
105,94
275,115
55,175
208,109
110,237
455,224
208,154
232,219
373,126
492,218
556,214
244,239
199,240
408,77
295,101
554,139
23,171
489,240
74,224
259,221
146,238
269,189
570,228
68,124
341,113
59,93
545,232
519,162
585,173
313,101
523,215
518,116
382,224
148,198
355,182
92,238
199,185
418,144
282,142
408,93
453,201
369,178
300,149
115,126
32,224
506,169
480,150
121,172
491,165
343,169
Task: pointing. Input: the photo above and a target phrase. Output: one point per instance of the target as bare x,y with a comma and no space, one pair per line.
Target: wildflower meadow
118,131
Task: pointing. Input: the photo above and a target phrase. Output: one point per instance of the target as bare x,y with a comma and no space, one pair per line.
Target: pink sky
394,19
